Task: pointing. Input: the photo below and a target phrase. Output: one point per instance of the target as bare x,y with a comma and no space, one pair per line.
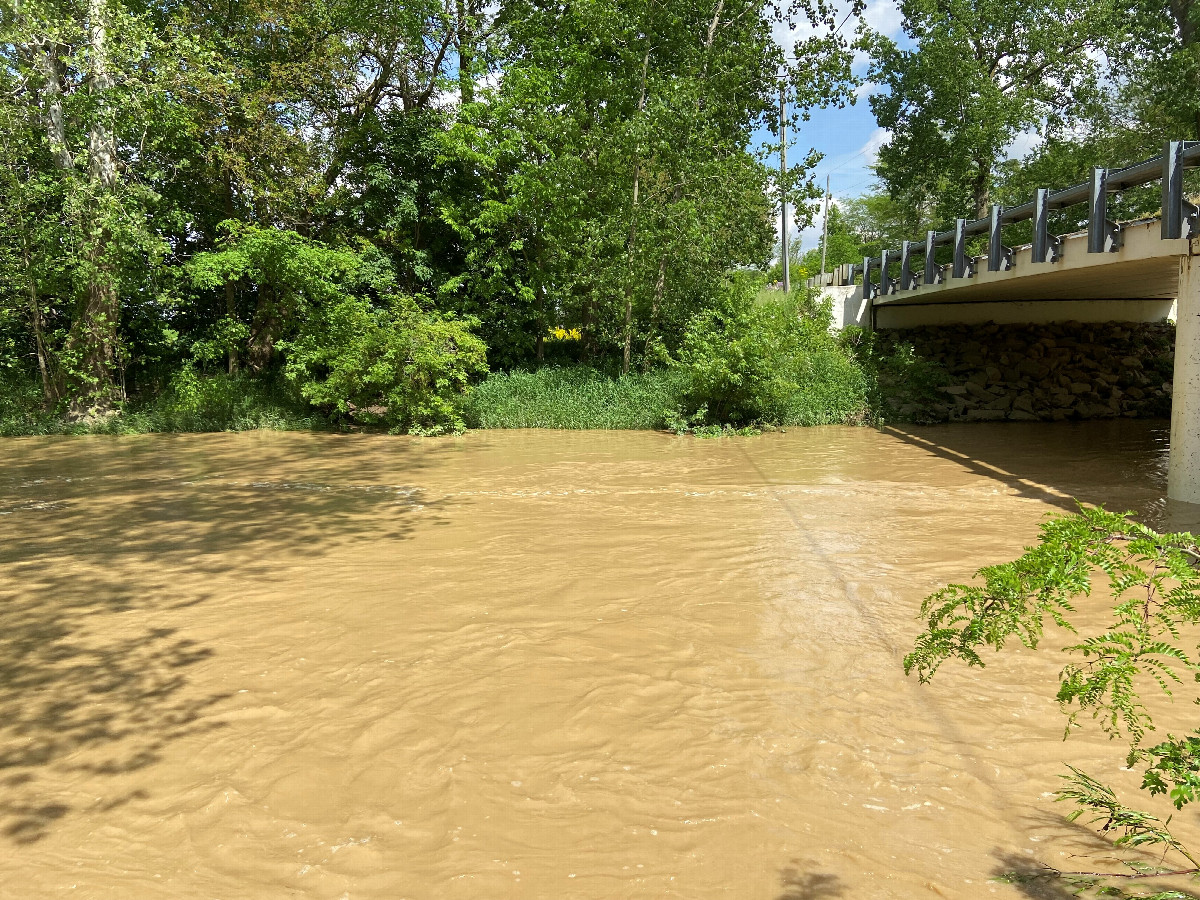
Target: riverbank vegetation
370,206
354,213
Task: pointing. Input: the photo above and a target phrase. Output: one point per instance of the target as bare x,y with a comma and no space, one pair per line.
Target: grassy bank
832,391
574,398
190,403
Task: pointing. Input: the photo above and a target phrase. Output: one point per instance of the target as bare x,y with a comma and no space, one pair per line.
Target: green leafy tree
978,73
287,275
390,362
1153,581
751,363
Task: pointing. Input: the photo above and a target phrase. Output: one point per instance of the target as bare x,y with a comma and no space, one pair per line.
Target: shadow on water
89,550
1118,463
800,884
1037,882
1091,854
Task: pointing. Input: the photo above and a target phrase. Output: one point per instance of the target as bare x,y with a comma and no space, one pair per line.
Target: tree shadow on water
799,883
1039,882
99,573
1090,854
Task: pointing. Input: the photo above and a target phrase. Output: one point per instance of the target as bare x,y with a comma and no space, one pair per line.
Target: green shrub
196,402
395,365
769,362
191,401
21,407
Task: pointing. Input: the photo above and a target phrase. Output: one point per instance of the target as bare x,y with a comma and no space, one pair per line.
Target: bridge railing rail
1179,217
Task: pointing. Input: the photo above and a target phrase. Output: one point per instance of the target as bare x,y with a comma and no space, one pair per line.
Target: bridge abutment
1183,475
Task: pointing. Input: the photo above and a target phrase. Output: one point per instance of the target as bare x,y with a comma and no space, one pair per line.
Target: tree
79,99
1153,581
979,73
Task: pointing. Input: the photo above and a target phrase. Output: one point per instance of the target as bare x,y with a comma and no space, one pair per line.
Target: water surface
530,664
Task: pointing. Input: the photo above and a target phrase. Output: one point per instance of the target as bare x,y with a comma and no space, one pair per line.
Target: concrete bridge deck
1139,282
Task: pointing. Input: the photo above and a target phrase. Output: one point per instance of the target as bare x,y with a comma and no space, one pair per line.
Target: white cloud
866,89
880,15
870,150
1023,144
884,16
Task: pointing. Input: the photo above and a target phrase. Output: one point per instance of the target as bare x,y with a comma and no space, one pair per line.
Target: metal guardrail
1103,234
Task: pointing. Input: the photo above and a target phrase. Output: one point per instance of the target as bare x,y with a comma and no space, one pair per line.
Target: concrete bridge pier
1183,475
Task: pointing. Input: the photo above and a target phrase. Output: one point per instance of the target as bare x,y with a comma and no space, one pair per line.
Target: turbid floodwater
532,664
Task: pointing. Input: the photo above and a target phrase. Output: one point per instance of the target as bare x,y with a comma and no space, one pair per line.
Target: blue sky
848,137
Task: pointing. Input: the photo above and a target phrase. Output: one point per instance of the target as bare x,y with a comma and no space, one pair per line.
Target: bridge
1141,271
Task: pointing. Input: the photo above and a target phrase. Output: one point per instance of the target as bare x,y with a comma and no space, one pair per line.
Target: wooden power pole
787,277
825,230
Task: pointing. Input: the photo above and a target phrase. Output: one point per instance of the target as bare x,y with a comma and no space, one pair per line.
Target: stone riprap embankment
1051,372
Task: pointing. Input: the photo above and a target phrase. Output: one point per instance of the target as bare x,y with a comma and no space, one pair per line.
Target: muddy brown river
532,664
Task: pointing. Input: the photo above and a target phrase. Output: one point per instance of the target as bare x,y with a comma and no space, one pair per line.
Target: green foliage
1175,770
1153,581
904,383
773,362
577,397
194,402
393,364
190,183
1132,827
190,402
977,74
290,278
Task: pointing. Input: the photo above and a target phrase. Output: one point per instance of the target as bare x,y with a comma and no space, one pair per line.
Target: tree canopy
187,175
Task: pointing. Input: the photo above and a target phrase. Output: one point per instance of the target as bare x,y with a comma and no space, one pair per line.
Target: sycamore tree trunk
981,187
46,99
92,344
631,243
465,39
1181,12
230,286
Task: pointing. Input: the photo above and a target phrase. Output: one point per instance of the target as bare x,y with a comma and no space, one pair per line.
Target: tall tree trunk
230,293
49,387
1181,12
45,59
263,331
543,326
93,338
981,188
631,244
659,284
465,39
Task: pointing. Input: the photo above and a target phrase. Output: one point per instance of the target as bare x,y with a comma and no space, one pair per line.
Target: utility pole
787,277
825,230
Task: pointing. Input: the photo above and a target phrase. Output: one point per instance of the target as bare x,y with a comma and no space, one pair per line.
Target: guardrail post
886,284
1097,210
1000,258
960,248
1041,225
1175,208
930,275
906,276
1103,235
868,288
